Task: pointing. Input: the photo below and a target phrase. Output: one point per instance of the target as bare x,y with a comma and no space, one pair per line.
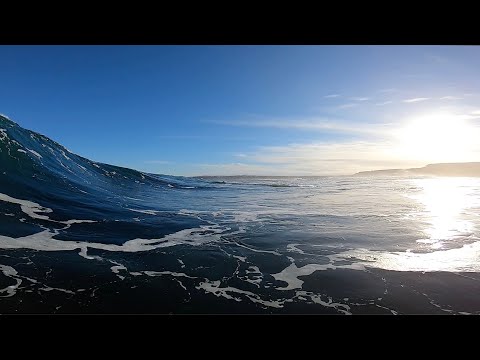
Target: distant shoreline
469,169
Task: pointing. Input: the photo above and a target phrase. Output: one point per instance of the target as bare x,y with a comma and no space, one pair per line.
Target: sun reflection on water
449,208
445,203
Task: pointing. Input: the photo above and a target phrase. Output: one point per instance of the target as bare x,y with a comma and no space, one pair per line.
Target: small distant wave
274,185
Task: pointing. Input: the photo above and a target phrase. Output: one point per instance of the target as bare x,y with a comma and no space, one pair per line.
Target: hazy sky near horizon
265,110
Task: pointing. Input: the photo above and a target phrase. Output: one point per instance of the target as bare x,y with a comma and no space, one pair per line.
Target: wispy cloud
311,159
387,90
329,158
206,137
359,98
331,96
384,103
450,98
346,106
414,100
317,124
236,168
389,146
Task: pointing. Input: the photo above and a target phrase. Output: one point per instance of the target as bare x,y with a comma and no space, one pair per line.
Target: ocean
82,237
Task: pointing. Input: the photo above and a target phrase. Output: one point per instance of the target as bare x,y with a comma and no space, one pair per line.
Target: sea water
77,236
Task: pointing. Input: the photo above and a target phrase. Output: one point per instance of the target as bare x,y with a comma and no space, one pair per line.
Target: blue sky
278,110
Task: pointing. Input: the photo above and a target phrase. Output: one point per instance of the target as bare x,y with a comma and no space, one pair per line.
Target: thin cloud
321,159
331,96
205,137
450,98
318,124
384,150
387,90
312,159
384,103
346,106
414,100
230,169
359,98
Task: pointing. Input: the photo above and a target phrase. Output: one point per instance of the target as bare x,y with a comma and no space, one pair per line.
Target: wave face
77,236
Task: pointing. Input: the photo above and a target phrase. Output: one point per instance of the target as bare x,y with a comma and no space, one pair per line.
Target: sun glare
437,137
445,200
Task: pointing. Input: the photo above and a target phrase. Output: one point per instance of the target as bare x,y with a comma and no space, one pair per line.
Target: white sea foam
64,155
28,207
293,248
83,253
260,251
171,273
174,274
253,271
75,221
45,241
291,273
49,288
244,216
194,213
35,153
3,134
65,167
241,258
317,299
463,259
116,269
22,151
11,273
214,288
127,197
35,210
149,212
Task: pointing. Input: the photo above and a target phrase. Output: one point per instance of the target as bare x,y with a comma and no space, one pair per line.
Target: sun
437,137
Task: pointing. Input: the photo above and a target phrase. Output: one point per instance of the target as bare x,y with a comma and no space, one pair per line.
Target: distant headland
470,169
